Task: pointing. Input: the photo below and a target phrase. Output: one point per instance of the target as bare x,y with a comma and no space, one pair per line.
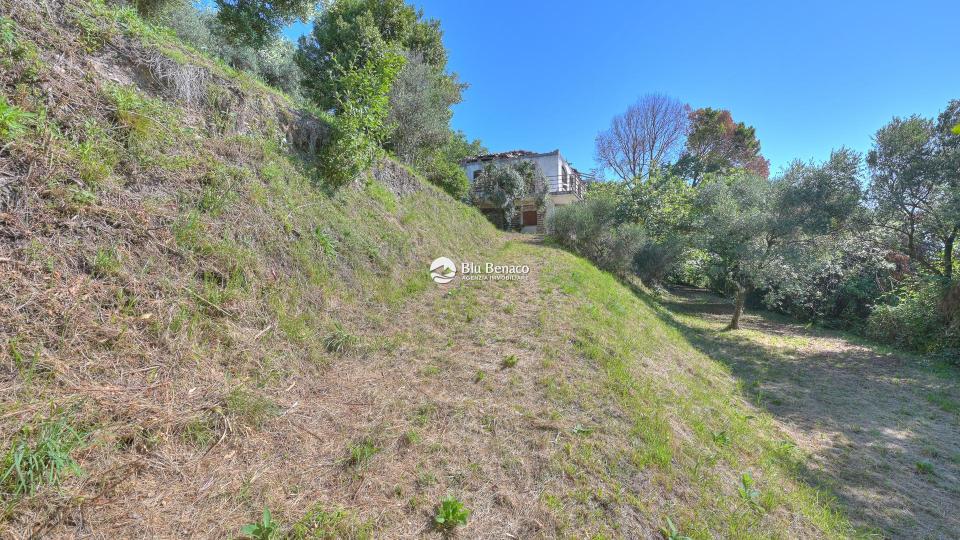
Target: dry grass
226,336
881,427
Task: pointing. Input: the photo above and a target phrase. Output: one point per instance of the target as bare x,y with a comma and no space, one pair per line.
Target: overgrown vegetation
810,242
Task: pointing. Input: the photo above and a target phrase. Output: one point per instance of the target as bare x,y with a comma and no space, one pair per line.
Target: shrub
590,229
655,260
910,318
359,126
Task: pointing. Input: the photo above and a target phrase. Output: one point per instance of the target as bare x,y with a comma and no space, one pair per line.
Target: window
476,174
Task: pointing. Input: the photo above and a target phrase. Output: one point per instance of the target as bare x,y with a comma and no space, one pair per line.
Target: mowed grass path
881,427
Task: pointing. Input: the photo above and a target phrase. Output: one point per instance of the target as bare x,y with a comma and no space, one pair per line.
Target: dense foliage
837,243
500,189
376,66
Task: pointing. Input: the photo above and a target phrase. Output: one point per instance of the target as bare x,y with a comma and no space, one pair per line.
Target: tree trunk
948,256
738,307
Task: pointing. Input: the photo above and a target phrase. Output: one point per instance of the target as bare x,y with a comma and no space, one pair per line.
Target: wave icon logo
443,270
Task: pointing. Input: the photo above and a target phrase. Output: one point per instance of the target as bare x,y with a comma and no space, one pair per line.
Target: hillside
190,316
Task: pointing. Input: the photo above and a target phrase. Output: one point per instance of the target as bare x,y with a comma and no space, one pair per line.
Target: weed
510,361
249,408
411,438
479,376
451,513
106,263
670,532
199,432
579,429
361,452
13,120
720,438
39,456
83,197
748,493
924,467
426,479
265,529
424,413
338,340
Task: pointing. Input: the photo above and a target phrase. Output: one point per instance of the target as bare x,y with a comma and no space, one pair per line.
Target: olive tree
501,187
754,228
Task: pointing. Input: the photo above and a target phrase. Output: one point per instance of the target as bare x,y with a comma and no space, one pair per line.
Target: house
565,184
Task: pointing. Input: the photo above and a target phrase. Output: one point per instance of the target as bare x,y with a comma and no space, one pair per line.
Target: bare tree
649,133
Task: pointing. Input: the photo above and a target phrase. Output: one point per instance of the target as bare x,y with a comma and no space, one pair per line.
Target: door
529,217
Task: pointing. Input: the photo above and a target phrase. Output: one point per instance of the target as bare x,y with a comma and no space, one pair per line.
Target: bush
359,126
655,260
911,320
590,229
273,62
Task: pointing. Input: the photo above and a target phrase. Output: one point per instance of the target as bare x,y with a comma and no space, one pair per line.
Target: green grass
249,408
321,523
14,121
624,336
40,456
360,453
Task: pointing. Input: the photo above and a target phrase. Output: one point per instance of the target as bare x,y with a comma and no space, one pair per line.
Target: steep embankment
206,332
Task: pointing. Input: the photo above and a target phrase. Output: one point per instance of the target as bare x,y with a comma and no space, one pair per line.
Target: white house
565,183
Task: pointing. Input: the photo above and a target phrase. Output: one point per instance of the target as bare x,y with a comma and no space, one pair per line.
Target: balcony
568,184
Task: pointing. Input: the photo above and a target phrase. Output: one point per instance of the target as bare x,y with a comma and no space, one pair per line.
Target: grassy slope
207,333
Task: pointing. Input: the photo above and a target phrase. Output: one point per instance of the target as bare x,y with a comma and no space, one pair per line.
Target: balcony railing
570,184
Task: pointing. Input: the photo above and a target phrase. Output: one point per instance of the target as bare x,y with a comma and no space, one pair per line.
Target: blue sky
810,76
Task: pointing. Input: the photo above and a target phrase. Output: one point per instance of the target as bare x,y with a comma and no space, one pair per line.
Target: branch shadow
863,413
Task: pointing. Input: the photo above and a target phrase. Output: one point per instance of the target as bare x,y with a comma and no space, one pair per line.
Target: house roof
509,154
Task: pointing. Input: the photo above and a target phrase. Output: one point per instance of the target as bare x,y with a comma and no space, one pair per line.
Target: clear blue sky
810,76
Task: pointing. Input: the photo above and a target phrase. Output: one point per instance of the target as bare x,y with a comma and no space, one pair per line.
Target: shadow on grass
863,412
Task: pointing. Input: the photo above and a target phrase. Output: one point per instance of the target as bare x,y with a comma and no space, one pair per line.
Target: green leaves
450,514
265,529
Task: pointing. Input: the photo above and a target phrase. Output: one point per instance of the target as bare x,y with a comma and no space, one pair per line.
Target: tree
500,187
756,229
716,144
257,22
947,154
350,32
420,102
910,191
646,136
